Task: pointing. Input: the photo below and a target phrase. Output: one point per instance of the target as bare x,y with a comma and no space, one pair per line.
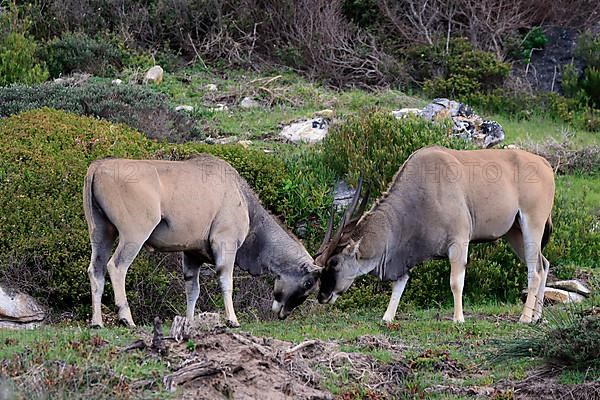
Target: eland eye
308,284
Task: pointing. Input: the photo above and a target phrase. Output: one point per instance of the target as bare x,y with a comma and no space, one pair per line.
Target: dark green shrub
136,106
588,49
77,52
570,81
458,72
534,39
18,61
591,85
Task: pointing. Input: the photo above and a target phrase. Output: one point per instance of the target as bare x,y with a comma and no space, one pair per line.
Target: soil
226,364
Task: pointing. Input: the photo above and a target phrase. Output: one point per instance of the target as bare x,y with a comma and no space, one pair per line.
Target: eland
439,202
201,207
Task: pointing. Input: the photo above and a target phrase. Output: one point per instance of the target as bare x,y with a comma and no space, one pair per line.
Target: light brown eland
201,207
438,203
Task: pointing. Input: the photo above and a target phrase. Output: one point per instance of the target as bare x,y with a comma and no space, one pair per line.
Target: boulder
342,195
116,82
211,87
19,310
249,102
309,131
572,285
154,74
466,124
184,108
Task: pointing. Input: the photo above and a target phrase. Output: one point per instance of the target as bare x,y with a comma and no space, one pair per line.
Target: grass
538,129
93,360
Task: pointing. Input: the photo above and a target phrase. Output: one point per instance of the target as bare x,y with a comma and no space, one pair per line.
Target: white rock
116,82
184,108
311,131
19,310
211,87
154,74
207,321
245,143
404,112
59,80
572,285
219,107
249,102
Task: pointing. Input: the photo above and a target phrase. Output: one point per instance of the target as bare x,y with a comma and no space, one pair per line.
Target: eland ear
352,248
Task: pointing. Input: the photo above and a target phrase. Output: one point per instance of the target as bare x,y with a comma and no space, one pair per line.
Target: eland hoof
232,324
96,326
128,324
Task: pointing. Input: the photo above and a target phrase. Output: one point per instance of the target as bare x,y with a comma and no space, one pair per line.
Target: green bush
534,39
44,245
458,72
136,106
376,143
18,63
77,52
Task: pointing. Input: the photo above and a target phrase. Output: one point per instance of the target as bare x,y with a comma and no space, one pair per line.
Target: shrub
77,52
18,63
534,39
377,143
136,106
44,245
458,72
570,340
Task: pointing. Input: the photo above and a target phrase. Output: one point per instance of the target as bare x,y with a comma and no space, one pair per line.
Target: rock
116,82
19,310
404,112
572,285
219,107
553,295
326,113
211,87
184,108
60,81
249,102
342,195
309,131
245,143
466,124
154,74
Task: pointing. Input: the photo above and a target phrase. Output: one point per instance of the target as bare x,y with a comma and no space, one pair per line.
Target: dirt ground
225,364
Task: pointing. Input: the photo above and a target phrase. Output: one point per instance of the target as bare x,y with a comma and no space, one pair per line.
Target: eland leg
191,273
118,265
457,254
101,240
536,269
397,291
224,253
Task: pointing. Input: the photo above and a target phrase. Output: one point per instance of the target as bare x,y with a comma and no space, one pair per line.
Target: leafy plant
534,39
77,52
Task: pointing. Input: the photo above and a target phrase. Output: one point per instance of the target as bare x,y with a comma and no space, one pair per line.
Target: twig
301,346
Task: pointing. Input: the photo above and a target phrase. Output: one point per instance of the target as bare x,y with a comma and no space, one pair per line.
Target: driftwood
188,374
